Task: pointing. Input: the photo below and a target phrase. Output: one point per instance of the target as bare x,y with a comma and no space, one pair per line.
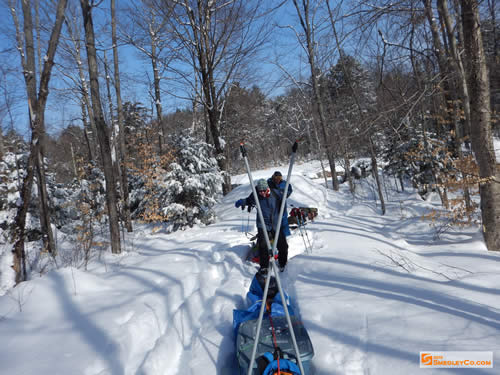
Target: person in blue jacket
270,205
277,187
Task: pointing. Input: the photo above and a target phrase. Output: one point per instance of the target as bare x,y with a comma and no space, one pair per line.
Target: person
277,187
270,205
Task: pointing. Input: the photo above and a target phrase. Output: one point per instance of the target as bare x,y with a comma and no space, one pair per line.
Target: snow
373,292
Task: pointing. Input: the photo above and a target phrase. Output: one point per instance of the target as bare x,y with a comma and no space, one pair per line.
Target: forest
112,112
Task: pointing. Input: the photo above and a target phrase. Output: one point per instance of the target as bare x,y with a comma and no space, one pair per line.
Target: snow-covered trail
374,292
377,290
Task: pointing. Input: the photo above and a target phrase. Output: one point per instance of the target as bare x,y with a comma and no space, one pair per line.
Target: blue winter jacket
270,210
277,191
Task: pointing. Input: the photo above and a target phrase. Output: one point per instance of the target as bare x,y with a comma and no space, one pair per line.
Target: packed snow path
374,292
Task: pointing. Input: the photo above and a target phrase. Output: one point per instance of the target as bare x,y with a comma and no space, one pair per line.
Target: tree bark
373,155
19,254
121,129
102,131
482,140
157,97
87,130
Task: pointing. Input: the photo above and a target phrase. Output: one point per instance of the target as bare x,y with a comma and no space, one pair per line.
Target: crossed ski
272,261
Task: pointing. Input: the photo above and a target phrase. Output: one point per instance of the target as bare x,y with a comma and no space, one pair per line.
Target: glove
240,203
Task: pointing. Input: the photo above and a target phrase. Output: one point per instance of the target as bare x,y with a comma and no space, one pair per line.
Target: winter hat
262,185
277,173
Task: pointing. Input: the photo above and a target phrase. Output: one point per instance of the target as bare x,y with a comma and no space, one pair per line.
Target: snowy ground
373,292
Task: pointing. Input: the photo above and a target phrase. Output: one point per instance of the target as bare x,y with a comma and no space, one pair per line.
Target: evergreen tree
192,183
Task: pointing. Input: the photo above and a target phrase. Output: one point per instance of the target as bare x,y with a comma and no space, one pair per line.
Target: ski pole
302,234
308,240
297,216
248,222
273,263
302,222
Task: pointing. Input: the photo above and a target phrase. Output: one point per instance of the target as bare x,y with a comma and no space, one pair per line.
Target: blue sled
266,359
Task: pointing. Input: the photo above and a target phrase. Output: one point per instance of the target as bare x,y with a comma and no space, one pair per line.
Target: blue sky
62,112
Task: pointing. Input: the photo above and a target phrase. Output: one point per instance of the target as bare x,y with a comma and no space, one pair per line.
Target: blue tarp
254,299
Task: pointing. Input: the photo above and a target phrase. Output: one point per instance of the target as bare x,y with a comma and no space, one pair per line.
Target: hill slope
373,291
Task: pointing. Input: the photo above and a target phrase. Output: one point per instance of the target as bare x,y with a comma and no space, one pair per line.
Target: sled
275,332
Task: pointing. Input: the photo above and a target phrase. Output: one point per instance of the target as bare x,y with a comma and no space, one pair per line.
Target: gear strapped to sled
275,335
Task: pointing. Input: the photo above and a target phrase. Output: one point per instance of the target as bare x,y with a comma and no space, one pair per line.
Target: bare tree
217,39
36,102
147,31
305,18
72,48
102,131
481,132
456,75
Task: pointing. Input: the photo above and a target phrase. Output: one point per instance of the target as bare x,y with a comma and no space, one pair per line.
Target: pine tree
192,183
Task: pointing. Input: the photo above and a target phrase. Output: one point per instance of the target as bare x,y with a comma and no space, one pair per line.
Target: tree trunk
446,112
157,93
213,118
19,254
320,155
375,174
305,22
87,130
43,196
37,109
37,101
113,132
347,172
1,145
87,114
121,128
482,140
458,68
102,131
457,62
